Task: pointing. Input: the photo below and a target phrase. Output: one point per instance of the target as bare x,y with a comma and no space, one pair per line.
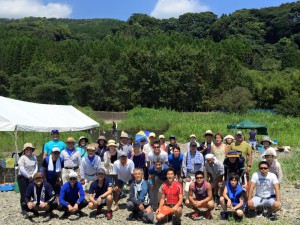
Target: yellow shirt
244,148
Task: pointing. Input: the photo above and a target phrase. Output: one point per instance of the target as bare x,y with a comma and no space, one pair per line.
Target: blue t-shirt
162,175
252,135
69,195
176,162
139,161
54,143
95,189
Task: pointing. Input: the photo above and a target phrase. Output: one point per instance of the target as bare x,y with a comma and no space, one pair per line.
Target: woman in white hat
111,155
266,143
274,166
28,166
82,143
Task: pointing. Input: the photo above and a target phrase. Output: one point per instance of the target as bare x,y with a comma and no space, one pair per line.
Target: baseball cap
152,135
122,153
136,145
101,170
172,137
239,132
54,131
73,175
55,149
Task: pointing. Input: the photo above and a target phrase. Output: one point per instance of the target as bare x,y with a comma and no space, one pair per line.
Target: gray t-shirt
29,164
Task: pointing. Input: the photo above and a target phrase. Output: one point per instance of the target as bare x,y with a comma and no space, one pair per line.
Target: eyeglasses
263,168
199,178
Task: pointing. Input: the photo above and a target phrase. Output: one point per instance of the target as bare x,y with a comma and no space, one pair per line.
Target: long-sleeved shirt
216,169
71,158
196,167
275,167
88,167
135,199
28,166
69,195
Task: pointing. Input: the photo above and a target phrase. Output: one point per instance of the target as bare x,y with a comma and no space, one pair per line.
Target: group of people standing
160,179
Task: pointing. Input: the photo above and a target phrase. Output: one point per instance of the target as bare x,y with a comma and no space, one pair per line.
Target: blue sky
123,9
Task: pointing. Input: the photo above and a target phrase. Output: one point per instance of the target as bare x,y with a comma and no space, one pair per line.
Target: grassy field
182,124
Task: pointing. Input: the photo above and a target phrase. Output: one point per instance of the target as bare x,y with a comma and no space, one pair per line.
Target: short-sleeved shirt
264,185
163,155
252,135
97,190
51,175
162,175
172,192
29,164
139,160
124,172
54,143
176,162
244,148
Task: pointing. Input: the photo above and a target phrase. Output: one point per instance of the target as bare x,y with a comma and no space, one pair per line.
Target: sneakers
25,214
259,213
80,213
272,217
65,215
224,215
35,213
176,222
208,215
109,215
115,208
195,215
99,209
132,217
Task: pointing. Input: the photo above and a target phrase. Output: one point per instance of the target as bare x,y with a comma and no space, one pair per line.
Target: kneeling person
71,196
172,191
233,197
101,193
140,198
203,193
40,196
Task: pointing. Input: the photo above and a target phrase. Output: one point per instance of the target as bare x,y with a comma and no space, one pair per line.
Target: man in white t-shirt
123,171
156,153
267,191
149,146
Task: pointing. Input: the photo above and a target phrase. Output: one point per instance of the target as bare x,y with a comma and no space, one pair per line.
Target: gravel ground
10,213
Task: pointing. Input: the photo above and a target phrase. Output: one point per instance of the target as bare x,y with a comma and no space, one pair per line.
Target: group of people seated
159,178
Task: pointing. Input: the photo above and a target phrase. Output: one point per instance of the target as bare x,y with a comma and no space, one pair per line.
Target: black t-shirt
95,189
236,167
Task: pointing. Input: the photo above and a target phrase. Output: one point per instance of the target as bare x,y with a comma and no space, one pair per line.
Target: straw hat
70,140
28,145
123,135
270,151
101,137
208,132
91,147
111,143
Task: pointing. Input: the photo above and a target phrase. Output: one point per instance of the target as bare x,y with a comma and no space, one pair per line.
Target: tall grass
182,124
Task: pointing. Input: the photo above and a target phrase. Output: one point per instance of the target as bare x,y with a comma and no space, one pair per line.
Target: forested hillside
198,62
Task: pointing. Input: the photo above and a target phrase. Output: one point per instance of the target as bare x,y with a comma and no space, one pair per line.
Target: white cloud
165,9
36,8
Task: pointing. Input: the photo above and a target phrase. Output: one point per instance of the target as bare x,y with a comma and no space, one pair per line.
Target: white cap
73,175
55,149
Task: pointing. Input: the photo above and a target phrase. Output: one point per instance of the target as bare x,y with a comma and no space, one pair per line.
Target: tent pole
16,148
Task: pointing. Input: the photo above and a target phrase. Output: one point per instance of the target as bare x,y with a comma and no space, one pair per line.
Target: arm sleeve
62,196
50,193
279,173
115,169
184,169
150,195
36,166
202,164
81,168
23,171
81,193
79,159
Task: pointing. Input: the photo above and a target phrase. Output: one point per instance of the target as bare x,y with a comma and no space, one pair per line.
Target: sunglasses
156,147
72,178
199,178
38,178
263,168
233,179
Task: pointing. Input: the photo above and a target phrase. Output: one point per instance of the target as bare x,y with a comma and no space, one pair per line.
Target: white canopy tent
16,115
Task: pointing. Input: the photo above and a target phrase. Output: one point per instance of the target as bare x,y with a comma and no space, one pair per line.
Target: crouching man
203,196
40,196
101,193
172,192
71,197
140,198
267,191
233,197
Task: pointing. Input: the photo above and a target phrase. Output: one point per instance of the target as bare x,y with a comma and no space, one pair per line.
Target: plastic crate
8,163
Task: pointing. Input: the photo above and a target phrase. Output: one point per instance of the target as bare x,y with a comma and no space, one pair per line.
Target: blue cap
101,170
136,145
54,131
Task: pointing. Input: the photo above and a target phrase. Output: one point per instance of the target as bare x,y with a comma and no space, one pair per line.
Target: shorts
103,201
240,208
263,202
252,143
121,183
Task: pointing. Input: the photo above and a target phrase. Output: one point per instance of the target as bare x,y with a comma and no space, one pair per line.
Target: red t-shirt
172,192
